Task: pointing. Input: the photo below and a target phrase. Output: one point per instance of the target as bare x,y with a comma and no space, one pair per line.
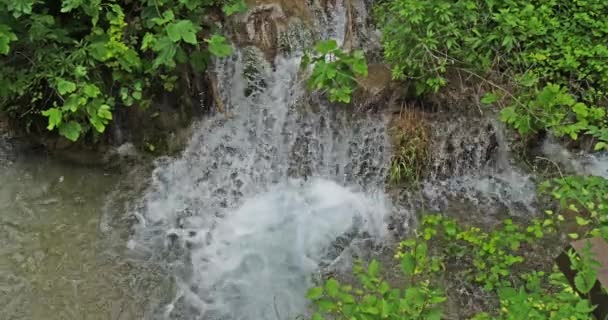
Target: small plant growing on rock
334,70
411,140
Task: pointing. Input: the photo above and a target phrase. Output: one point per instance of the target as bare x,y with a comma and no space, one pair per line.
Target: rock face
275,26
462,145
377,90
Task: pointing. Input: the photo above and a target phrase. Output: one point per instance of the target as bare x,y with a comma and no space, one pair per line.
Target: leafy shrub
374,298
585,196
549,54
334,70
489,258
536,302
76,61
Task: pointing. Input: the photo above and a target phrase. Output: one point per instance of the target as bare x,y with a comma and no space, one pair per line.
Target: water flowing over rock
256,202
472,169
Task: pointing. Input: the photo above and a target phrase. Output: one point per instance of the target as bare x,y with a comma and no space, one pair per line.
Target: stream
265,199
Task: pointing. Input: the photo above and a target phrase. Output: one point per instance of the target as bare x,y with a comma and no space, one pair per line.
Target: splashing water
254,205
583,164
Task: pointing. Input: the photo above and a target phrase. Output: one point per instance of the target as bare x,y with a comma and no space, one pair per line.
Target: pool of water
56,260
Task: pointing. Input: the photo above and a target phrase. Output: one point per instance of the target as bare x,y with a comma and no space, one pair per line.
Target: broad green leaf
166,50
325,305
105,112
20,7
80,71
600,145
55,117
374,268
97,124
71,103
65,86
218,46
6,37
69,5
91,90
314,293
584,281
408,264
236,6
136,95
71,130
326,47
332,287
490,98
147,41
359,66
184,30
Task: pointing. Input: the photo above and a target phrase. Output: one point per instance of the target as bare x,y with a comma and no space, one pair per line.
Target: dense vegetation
76,61
543,61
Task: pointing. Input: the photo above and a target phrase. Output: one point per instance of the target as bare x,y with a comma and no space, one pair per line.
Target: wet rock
462,145
377,90
278,26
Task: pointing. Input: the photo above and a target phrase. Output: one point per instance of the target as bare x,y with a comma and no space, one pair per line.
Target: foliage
549,54
491,255
411,142
76,61
534,301
334,70
374,298
587,197
486,258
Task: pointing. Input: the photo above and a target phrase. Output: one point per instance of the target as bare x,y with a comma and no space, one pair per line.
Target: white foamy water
257,201
584,164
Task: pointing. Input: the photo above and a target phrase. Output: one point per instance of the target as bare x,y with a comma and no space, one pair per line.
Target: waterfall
252,208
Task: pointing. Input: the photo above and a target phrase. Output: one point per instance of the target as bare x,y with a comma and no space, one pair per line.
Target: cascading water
253,206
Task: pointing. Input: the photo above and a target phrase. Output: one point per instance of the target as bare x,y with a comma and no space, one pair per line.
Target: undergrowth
75,62
542,61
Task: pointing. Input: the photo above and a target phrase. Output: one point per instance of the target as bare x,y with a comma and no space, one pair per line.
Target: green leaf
582,221
182,29
91,90
55,117
6,37
359,64
326,47
373,268
332,287
80,71
314,293
490,98
136,95
584,281
98,124
20,7
237,6
317,316
71,130
408,264
218,46
166,50
600,145
65,86
325,305
104,112
69,5
147,41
